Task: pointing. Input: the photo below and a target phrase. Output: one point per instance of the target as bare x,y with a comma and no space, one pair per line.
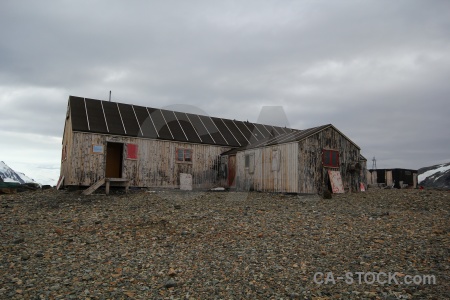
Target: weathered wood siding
264,177
66,146
363,172
312,176
155,166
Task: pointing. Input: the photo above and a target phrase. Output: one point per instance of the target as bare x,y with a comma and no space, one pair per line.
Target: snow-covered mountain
9,175
435,176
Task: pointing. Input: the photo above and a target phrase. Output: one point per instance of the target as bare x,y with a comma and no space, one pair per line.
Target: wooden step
121,180
93,187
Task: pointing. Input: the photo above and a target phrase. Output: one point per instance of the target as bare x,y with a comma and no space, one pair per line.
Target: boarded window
330,158
184,155
132,150
250,162
275,160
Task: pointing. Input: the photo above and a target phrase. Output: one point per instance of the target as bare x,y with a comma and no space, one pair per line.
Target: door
231,170
389,180
114,158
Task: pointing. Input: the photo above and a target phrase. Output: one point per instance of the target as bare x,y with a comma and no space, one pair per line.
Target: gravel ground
224,245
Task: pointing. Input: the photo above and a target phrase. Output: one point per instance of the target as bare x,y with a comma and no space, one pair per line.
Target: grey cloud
378,70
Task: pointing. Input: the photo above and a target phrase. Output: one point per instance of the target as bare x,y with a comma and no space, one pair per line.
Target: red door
231,170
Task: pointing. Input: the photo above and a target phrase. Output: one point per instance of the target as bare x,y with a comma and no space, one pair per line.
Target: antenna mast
374,163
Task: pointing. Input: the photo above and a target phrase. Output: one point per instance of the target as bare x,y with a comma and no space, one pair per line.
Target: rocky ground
224,245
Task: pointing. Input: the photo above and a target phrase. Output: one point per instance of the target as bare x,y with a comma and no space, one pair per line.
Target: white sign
185,182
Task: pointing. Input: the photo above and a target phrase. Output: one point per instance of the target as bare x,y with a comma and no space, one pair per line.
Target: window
184,155
250,162
275,160
330,158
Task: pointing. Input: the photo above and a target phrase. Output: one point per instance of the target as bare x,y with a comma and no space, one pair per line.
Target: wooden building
393,177
297,162
149,147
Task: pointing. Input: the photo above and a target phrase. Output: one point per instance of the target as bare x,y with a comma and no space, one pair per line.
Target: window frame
187,155
276,157
249,162
329,153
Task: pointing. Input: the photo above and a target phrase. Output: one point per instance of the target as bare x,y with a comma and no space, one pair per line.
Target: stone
170,283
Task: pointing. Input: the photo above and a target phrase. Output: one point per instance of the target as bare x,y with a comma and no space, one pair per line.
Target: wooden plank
121,180
117,179
60,181
336,182
93,187
107,187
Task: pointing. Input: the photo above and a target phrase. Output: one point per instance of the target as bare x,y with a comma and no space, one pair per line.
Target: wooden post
107,186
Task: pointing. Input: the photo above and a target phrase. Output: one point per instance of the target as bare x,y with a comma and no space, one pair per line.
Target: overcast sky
377,70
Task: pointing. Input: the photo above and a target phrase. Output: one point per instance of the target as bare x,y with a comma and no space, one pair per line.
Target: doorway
231,170
114,159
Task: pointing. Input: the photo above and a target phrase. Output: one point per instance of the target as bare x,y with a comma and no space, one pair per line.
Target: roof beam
180,126
124,129
154,126
137,120
206,129
240,132
230,132
87,117
167,124
104,116
193,127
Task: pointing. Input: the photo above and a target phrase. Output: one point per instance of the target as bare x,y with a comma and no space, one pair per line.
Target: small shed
394,177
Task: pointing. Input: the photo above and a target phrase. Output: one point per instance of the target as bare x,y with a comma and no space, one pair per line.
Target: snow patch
9,180
9,175
428,173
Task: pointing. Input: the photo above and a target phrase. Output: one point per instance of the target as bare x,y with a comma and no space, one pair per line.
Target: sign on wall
336,182
132,151
185,182
97,149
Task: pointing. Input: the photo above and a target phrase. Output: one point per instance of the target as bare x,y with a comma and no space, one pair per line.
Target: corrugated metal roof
98,116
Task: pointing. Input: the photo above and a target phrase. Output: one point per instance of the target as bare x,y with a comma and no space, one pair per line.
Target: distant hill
9,175
437,176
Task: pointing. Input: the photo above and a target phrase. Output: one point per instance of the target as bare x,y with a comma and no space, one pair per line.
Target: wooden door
114,157
231,170
389,181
